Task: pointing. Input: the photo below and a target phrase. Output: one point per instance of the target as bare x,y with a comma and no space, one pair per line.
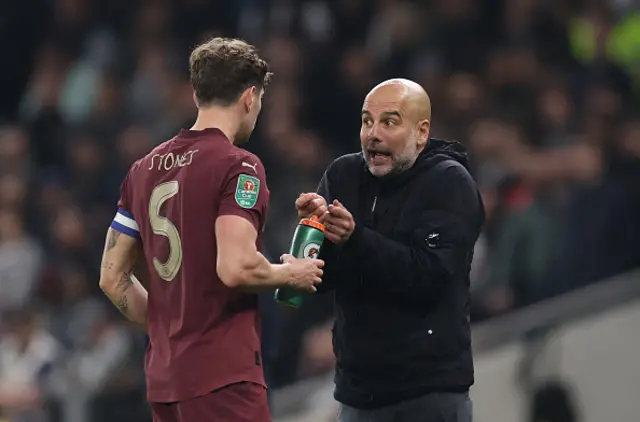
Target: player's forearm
128,295
256,275
267,279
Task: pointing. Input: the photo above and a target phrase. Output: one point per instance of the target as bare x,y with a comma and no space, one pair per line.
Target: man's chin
379,171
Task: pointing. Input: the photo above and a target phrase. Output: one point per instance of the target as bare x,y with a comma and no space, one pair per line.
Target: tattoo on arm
117,279
122,303
113,238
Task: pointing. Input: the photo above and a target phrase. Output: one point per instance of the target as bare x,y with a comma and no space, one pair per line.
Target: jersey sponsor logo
247,191
311,250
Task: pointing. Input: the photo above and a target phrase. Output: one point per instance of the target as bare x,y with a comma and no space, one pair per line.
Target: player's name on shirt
170,160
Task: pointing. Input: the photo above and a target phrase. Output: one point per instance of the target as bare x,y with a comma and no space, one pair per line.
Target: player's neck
219,118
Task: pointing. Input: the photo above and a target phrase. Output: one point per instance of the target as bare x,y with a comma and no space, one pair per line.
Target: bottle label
311,250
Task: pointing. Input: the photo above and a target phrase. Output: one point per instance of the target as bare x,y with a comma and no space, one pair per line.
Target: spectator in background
95,369
14,151
28,354
596,251
13,193
20,262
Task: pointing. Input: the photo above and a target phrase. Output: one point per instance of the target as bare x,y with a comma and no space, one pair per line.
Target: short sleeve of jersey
244,191
124,221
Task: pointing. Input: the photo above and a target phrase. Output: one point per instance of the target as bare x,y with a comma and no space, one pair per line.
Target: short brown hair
222,68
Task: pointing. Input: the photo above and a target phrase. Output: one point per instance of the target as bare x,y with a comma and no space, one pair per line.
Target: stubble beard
399,163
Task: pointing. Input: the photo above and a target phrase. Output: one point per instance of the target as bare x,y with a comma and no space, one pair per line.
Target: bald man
402,217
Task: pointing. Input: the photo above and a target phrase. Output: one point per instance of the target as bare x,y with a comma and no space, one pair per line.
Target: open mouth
379,158
376,154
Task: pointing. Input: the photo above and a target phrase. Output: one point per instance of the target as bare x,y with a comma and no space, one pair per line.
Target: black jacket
402,279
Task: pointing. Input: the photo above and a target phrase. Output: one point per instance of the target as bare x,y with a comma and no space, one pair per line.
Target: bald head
407,94
395,128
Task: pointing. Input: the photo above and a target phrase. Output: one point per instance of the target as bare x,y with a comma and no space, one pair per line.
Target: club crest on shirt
247,191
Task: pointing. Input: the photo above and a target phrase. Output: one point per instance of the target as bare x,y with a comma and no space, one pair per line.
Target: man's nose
373,132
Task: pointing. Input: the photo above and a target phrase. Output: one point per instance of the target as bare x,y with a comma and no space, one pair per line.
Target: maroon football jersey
203,335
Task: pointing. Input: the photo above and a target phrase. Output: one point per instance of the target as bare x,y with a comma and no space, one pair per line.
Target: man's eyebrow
392,113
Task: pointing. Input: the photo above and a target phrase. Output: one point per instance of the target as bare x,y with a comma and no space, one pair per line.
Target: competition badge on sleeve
247,191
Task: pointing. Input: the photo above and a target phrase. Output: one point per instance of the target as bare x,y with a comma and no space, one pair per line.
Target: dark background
542,93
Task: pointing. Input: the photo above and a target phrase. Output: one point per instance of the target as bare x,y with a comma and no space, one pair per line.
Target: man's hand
305,272
338,223
310,204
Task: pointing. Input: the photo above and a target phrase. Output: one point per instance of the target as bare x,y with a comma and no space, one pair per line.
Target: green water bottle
306,243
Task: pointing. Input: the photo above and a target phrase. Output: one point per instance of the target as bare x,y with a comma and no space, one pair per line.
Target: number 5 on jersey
163,227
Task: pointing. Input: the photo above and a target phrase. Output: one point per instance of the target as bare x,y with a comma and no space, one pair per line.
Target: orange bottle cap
313,222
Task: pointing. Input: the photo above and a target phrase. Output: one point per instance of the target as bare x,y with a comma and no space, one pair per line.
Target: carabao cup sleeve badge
247,191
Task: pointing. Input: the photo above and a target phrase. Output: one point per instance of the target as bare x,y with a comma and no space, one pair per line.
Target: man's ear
248,97
195,99
424,127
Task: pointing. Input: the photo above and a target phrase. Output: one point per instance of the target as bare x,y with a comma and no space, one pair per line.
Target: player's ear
424,127
195,99
248,97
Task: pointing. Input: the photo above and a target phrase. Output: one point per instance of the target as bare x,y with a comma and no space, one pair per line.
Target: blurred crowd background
544,93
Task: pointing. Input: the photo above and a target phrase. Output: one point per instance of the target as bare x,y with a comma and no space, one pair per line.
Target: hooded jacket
401,281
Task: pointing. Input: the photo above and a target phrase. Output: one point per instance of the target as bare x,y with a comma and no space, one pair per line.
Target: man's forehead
379,107
387,93
386,97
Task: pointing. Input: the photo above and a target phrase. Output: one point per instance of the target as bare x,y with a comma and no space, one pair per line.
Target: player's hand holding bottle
305,273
